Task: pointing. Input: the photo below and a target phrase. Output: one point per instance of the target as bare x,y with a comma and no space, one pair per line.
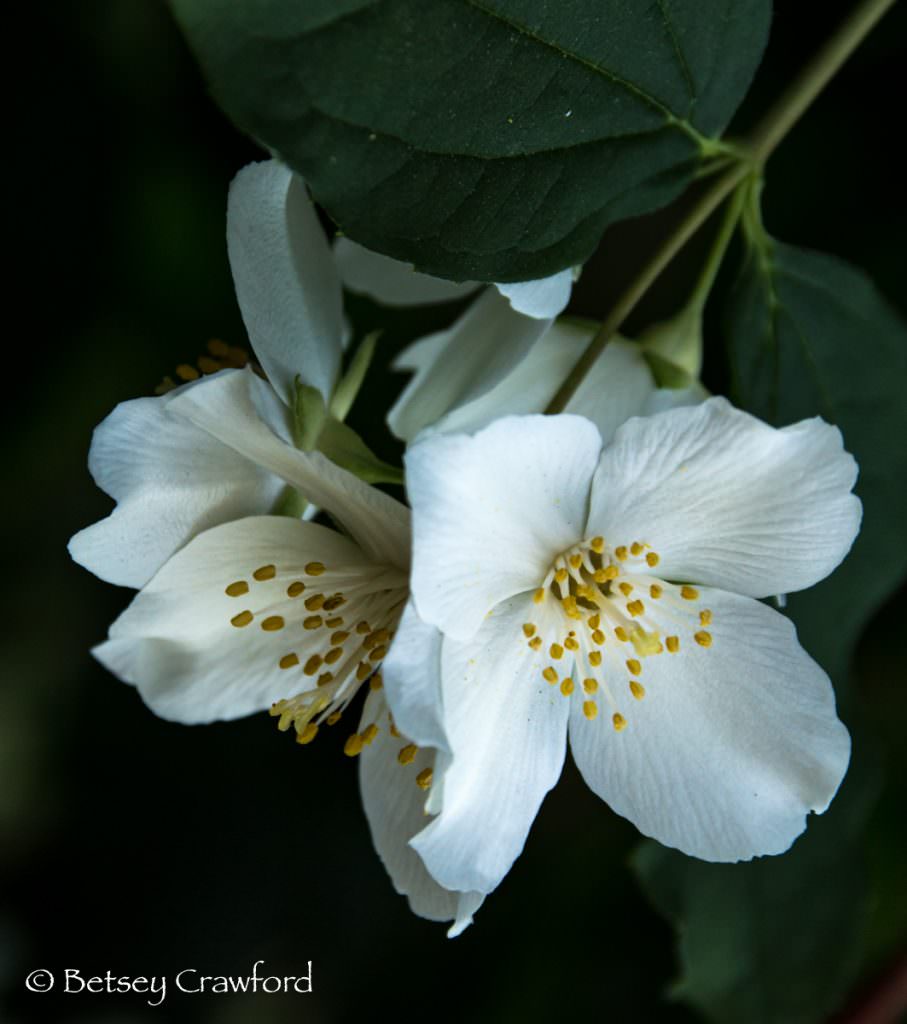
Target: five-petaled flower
611,593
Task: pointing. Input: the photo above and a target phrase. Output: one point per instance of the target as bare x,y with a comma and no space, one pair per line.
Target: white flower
274,612
611,594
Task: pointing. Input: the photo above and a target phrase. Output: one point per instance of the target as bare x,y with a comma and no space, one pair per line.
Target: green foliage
776,940
482,139
809,335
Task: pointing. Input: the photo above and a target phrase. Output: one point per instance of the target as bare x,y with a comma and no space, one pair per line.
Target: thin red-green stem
757,148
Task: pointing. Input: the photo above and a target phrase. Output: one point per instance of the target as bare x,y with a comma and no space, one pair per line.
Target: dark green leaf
482,139
776,940
809,335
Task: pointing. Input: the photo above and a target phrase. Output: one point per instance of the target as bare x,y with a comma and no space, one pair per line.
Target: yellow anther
314,569
655,591
705,617
333,655
626,589
550,673
376,682
363,671
408,753
237,589
689,593
590,709
335,622
378,653
597,544
620,553
590,685
636,607
295,588
272,623
369,734
636,548
570,607
423,779
266,572
584,590
618,721
703,638
339,638
576,561
528,629
637,689
325,678
535,643
634,666
186,372
621,634
571,644
308,734
395,732
314,602
673,644
243,619
332,603
598,636
567,686
289,660
312,622
353,745
218,348
556,651
313,664
645,643
363,627
594,621
595,658
652,559
561,575
539,595
334,718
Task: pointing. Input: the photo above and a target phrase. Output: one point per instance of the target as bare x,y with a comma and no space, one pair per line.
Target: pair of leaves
482,139
778,939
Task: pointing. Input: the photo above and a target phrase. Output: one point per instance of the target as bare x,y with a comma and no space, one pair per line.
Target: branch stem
756,149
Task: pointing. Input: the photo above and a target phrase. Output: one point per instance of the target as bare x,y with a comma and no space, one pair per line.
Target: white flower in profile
272,612
611,593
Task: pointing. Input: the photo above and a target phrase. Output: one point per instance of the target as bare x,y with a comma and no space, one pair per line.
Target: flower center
332,626
601,612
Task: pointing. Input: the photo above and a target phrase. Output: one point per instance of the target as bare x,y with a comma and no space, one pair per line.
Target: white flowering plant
585,544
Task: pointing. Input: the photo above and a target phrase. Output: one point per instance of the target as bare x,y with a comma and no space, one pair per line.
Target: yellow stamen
652,559
567,686
272,623
339,638
314,569
243,619
571,644
539,595
634,666
621,634
556,651
576,561
289,660
353,745
528,629
423,779
636,607
626,589
705,617
308,734
312,622
703,638
369,734
535,643
295,589
595,658
673,644
590,709
334,654
637,689
376,682
335,622
598,637
312,665
266,572
620,553
314,602
655,591
237,589
689,593
590,685
550,674
619,722
636,548
597,544
595,621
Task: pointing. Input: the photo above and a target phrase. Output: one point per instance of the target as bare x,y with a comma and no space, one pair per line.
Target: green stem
779,120
719,247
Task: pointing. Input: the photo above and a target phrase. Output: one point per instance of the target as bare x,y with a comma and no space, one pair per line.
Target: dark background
138,846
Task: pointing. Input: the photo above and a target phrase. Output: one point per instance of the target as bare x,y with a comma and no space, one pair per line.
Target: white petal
391,282
730,747
395,809
507,729
176,642
543,298
481,348
225,409
491,512
412,680
171,481
286,282
727,500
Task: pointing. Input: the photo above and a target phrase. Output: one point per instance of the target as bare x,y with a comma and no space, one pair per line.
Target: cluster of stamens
610,594
220,356
345,633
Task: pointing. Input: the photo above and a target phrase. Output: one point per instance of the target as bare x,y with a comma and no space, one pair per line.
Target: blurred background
138,846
